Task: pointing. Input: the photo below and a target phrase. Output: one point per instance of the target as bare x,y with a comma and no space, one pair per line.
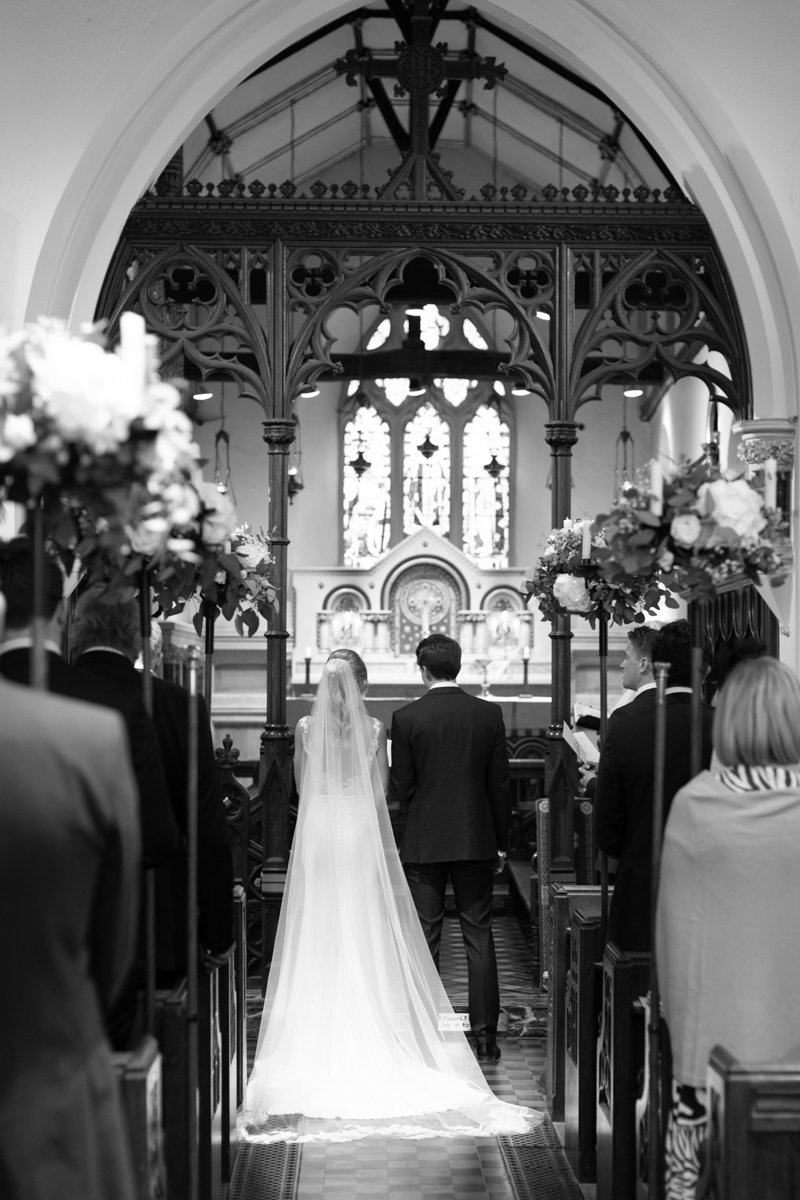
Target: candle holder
525,667
307,685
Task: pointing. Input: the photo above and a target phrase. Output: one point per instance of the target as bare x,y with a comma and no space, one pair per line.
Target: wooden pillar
275,779
560,436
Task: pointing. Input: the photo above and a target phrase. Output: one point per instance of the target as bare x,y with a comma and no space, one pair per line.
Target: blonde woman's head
355,662
757,718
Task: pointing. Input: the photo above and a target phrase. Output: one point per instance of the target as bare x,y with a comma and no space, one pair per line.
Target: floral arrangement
242,587
698,527
97,442
566,580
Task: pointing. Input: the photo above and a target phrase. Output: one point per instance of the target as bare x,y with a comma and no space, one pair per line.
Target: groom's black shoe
487,1051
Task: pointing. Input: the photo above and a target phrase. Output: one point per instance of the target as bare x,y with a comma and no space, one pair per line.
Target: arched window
487,446
426,472
367,491
432,453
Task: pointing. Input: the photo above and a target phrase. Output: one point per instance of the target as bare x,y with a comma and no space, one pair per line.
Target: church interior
434,280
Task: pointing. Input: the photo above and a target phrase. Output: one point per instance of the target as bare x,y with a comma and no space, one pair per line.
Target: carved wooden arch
326,285
683,303
188,311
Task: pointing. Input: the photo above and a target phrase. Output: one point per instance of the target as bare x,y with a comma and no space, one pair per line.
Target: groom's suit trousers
473,885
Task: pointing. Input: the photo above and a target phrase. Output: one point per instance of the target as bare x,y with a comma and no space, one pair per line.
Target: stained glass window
367,488
413,434
426,472
487,447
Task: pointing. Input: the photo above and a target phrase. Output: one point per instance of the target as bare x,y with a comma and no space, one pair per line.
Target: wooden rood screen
249,284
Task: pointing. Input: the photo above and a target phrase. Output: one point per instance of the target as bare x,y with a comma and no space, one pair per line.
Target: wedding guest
450,780
624,793
69,856
214,859
726,919
160,836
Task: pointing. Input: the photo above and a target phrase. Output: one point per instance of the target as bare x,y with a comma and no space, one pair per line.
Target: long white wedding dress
357,1035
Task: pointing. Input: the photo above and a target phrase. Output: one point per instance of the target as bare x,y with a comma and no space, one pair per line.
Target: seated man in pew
623,805
106,642
214,858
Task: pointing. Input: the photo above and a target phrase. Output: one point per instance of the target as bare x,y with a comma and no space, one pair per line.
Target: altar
423,585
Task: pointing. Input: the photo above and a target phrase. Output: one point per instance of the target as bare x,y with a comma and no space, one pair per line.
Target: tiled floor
439,1168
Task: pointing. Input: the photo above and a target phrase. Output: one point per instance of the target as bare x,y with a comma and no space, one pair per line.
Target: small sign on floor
451,1022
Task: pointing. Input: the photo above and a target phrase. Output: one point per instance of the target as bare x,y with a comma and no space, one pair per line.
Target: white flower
666,559
685,529
734,505
571,593
532,604
251,555
219,518
86,393
17,433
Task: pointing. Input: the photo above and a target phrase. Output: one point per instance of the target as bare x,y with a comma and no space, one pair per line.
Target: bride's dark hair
355,662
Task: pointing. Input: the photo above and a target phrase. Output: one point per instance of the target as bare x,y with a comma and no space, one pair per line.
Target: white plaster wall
96,95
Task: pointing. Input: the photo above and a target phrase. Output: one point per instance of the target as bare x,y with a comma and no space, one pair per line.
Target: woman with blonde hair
357,1035
727,950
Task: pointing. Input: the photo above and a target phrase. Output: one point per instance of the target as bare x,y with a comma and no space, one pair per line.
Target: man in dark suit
106,640
450,780
623,804
69,858
214,858
160,835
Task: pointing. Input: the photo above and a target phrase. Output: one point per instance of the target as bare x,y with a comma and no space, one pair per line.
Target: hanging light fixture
494,468
360,464
427,448
295,471
624,467
222,453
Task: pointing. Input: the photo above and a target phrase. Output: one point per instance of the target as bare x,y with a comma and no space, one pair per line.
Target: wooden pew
139,1078
753,1147
645,1188
620,1064
581,1013
562,900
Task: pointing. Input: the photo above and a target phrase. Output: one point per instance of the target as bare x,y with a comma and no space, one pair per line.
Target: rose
570,592
666,560
685,529
251,555
733,504
17,432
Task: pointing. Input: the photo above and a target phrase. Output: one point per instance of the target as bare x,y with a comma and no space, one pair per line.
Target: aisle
439,1168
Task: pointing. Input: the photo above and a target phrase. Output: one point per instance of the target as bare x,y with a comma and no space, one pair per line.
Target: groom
450,780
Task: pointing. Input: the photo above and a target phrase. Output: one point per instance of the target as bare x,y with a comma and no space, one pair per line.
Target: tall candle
308,652
656,488
586,540
771,483
133,347
526,652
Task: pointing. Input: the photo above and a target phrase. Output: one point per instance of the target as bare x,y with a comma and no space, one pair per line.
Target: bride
357,1035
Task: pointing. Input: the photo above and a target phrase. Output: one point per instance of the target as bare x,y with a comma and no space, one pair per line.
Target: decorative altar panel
423,585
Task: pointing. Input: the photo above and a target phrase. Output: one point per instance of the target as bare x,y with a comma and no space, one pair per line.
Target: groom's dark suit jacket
623,806
450,777
121,691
